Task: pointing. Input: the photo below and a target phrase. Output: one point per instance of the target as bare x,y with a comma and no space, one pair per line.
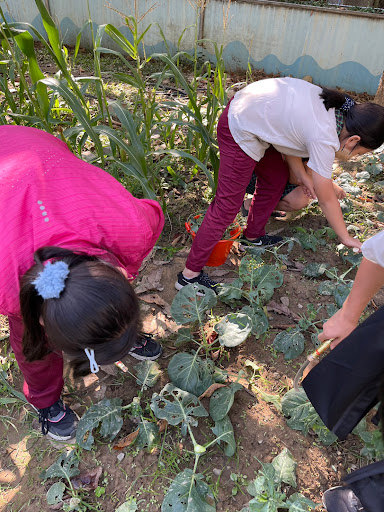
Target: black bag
343,387
368,485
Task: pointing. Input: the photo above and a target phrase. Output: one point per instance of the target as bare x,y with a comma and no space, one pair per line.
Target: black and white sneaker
341,499
261,241
202,279
146,348
58,421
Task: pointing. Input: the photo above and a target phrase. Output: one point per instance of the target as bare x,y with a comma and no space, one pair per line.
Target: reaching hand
306,183
340,192
352,242
339,326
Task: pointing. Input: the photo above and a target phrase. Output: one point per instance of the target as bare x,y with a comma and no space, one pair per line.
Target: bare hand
306,183
340,192
352,242
338,327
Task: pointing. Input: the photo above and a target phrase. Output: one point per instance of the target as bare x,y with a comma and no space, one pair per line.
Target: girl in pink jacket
72,239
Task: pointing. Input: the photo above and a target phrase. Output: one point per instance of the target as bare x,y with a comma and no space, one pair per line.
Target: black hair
365,120
98,309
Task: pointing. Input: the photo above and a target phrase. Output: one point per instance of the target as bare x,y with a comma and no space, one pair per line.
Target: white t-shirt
288,114
373,249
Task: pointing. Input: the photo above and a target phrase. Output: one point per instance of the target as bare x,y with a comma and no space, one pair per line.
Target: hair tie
50,282
90,353
348,103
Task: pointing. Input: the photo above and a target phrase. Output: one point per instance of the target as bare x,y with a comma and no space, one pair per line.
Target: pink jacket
48,196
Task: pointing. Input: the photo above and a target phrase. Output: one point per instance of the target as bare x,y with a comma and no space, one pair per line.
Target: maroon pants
43,379
235,172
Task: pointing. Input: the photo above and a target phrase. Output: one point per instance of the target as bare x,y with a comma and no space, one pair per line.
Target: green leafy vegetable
108,414
55,493
188,493
147,373
222,400
285,468
148,434
260,323
302,416
290,342
190,373
66,466
315,269
188,306
177,407
223,430
233,329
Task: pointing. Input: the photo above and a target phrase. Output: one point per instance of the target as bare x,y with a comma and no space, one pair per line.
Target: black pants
343,387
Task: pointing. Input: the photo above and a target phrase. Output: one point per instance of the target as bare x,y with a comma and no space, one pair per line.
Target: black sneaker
341,499
202,279
58,421
146,348
262,241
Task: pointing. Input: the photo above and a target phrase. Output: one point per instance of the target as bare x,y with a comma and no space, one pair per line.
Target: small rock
120,456
216,471
300,306
260,441
285,301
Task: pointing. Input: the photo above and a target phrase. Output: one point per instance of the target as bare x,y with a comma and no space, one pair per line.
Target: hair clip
51,280
90,353
348,103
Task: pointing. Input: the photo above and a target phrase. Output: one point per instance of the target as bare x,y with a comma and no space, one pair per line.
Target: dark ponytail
333,98
98,309
365,120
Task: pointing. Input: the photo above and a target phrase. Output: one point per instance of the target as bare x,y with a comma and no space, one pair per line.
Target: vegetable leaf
222,400
66,466
233,329
55,493
177,406
188,306
291,343
285,468
188,493
223,431
108,414
260,323
147,373
189,373
299,503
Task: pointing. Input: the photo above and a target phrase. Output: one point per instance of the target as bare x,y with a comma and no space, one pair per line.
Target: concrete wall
335,47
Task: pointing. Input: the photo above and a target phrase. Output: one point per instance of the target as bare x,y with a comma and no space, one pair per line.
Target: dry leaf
127,440
159,325
215,355
212,388
150,282
285,301
162,424
154,298
281,309
87,481
219,272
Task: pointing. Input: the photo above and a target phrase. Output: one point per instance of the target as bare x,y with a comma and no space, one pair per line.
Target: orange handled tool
310,359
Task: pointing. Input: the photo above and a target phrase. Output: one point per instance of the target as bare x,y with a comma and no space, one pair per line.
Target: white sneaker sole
143,358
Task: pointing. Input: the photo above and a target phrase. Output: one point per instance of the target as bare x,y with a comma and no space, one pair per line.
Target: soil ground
260,430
